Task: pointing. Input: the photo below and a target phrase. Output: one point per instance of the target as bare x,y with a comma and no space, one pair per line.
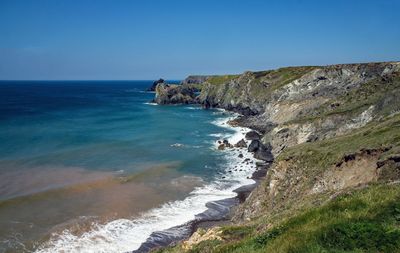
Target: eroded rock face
174,94
291,106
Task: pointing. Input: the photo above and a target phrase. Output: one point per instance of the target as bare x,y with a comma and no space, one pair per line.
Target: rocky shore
219,212
331,130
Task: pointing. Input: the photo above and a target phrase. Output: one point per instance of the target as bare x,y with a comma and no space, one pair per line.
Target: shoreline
206,206
166,238
219,212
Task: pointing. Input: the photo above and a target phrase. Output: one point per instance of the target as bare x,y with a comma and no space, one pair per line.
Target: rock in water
241,144
252,135
221,147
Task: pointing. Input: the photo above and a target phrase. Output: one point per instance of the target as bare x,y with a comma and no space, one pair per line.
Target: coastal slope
335,134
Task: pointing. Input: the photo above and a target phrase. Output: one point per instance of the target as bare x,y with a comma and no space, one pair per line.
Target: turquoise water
99,126
73,150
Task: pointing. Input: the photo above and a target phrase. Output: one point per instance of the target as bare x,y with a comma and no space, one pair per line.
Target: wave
150,103
193,108
124,235
223,122
178,145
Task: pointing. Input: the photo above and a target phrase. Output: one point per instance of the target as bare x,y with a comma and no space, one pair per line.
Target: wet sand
35,213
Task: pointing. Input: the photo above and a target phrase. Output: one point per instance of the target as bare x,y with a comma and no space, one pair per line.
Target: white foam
149,103
177,145
219,135
193,108
238,131
124,235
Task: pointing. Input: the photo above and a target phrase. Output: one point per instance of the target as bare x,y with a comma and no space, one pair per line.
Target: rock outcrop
241,144
155,83
174,94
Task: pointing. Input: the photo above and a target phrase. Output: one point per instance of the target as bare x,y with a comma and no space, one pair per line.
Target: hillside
335,134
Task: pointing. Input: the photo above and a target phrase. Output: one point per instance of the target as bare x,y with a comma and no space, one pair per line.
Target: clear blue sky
81,39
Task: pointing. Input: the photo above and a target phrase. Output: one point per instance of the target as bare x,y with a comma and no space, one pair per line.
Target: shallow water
93,167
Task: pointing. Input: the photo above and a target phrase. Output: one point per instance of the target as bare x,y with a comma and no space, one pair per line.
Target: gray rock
241,144
252,135
263,154
174,94
254,146
221,147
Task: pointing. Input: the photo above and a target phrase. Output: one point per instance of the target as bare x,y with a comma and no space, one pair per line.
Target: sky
149,39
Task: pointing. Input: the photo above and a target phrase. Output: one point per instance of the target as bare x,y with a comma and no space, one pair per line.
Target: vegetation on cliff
364,220
334,185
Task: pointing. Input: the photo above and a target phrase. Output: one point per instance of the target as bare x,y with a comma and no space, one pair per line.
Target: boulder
224,144
263,154
254,146
252,135
241,144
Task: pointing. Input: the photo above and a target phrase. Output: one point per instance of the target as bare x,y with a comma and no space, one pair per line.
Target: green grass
217,80
366,220
282,76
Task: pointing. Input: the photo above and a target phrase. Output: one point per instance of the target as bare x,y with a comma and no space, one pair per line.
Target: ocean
93,166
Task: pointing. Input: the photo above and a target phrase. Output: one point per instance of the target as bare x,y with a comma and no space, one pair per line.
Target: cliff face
334,185
303,104
324,109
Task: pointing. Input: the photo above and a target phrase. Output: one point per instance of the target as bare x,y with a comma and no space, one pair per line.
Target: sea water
94,166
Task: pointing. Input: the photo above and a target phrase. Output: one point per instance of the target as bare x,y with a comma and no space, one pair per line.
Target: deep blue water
101,125
55,133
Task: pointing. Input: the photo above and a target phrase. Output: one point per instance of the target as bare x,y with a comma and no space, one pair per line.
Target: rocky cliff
175,94
195,79
335,134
